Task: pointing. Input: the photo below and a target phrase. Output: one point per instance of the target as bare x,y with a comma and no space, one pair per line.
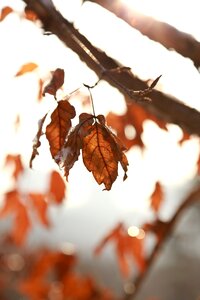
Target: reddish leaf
59,127
156,197
55,83
126,247
34,288
71,150
11,201
36,141
30,15
158,227
5,12
101,154
57,187
73,145
22,224
41,206
186,136
136,250
134,117
16,161
76,287
29,67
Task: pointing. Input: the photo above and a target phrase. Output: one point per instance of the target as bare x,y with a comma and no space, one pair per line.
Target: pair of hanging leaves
101,149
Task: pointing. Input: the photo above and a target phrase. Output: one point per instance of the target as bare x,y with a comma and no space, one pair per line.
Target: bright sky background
89,212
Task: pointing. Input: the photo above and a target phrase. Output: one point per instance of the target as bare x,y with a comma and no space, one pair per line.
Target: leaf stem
91,98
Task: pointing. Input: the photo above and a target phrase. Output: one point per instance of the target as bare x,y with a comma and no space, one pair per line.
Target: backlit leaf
59,127
73,145
29,67
71,150
21,225
16,161
126,247
40,205
5,12
57,187
158,227
101,154
156,197
56,82
132,121
13,205
36,141
30,15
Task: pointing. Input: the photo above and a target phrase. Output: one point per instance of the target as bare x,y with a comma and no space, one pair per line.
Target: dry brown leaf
56,82
29,67
73,145
134,117
101,154
156,197
158,227
59,127
57,187
40,205
36,141
17,162
5,12
13,205
126,247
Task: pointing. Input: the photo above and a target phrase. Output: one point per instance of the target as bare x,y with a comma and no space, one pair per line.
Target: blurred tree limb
169,227
163,106
161,32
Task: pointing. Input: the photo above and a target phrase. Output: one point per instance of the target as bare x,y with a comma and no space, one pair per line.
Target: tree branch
139,281
162,105
161,32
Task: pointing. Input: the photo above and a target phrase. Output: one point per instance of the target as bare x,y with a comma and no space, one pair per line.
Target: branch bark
161,32
163,106
139,281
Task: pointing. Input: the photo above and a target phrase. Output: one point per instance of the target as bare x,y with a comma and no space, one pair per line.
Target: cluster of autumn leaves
53,272
100,147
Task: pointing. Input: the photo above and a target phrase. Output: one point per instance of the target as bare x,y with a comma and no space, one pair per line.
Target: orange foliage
29,67
17,164
126,246
18,204
156,197
60,125
5,12
134,116
158,227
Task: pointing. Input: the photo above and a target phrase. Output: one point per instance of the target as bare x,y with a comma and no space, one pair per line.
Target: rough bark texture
162,105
